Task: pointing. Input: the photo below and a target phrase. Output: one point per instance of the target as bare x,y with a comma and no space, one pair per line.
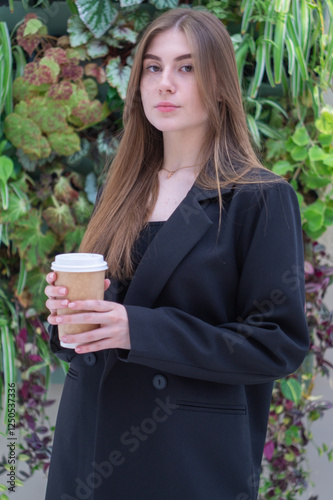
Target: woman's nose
166,83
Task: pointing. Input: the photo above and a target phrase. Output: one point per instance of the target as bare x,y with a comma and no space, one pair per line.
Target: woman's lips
166,107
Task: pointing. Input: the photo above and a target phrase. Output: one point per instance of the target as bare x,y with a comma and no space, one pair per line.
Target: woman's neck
181,150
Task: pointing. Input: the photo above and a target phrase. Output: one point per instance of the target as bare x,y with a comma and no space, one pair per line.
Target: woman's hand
112,333
112,318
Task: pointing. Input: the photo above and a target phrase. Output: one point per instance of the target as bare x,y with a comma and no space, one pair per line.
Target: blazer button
160,382
89,358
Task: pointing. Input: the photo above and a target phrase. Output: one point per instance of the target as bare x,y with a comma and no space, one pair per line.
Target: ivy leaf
73,239
21,89
76,157
301,137
6,168
33,244
78,33
164,4
291,389
25,134
313,181
118,75
82,209
97,48
63,190
325,140
64,143
59,219
32,27
97,15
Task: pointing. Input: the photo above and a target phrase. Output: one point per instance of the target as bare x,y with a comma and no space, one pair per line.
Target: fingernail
51,276
71,305
64,302
78,349
58,319
62,291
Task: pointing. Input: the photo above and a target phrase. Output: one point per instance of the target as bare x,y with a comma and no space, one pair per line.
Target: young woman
169,397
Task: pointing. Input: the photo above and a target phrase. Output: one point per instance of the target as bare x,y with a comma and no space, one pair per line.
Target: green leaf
299,153
59,218
32,27
124,33
82,209
128,3
314,181
6,168
33,244
17,208
91,88
316,153
325,139
291,389
25,134
328,161
314,214
97,15
282,167
253,129
325,123
48,114
118,75
73,239
78,33
140,18
53,65
97,48
64,144
164,4
301,137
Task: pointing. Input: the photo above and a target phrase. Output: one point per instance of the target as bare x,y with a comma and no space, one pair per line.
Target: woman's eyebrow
156,58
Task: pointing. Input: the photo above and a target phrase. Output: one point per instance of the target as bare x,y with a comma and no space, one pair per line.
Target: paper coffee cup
83,275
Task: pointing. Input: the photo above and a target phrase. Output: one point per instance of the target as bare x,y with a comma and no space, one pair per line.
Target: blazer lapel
185,227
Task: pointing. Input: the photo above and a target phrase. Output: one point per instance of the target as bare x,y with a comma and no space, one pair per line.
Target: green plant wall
61,101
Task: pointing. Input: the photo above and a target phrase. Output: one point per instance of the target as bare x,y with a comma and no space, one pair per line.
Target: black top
147,235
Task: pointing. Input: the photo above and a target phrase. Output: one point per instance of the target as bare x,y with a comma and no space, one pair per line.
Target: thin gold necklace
171,172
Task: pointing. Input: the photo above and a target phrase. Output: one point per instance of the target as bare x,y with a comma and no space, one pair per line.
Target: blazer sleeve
268,337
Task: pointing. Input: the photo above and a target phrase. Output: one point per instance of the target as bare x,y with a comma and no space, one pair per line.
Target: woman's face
168,85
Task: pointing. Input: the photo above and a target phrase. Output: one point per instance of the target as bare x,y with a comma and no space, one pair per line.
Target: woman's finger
55,291
107,283
51,277
84,318
93,305
54,304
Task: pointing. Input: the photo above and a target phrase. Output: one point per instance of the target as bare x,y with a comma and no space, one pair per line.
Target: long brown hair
131,188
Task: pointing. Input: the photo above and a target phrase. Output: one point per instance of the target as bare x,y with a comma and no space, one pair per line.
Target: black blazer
215,317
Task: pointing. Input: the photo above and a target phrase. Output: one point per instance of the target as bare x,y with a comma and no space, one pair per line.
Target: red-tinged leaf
48,115
37,74
71,71
30,42
65,143
269,450
25,134
60,91
64,191
63,41
88,112
57,54
97,72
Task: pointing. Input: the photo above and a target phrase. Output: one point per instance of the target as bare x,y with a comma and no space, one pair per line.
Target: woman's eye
187,68
153,68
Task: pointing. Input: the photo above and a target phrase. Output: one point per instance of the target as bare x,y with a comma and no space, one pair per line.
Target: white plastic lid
79,263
